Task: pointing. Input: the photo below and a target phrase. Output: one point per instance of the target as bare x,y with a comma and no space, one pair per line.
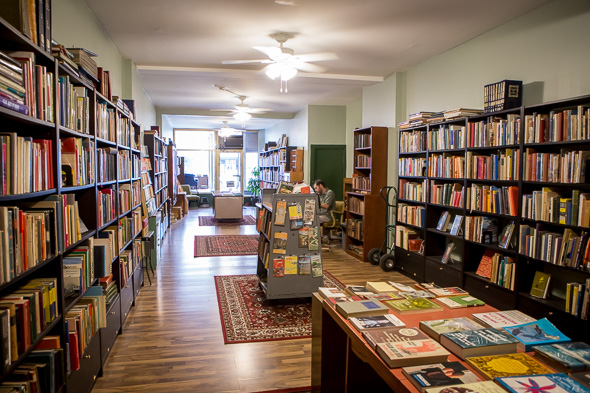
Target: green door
328,162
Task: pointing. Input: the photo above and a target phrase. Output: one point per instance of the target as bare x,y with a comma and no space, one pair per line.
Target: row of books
412,141
355,228
361,183
412,166
567,166
548,205
26,164
362,161
449,194
558,126
562,249
577,298
126,133
356,205
444,165
74,110
504,165
106,164
411,214
300,265
362,141
493,199
494,131
408,239
32,19
446,137
77,161
106,119
413,191
106,205
498,268
125,167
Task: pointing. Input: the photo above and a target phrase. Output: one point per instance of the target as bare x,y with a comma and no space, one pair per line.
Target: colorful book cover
456,228
303,240
554,383
439,374
281,212
295,212
500,319
434,328
416,294
540,285
412,353
474,387
443,221
383,296
448,291
478,342
327,292
485,265
309,211
291,265
313,239
316,266
392,334
296,224
304,265
357,290
376,322
507,365
536,333
413,305
278,267
279,244
460,301
566,357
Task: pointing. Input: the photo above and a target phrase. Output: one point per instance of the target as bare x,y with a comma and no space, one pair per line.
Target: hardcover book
376,322
540,285
439,374
478,342
460,301
417,305
357,290
448,251
536,333
412,353
500,319
392,334
508,365
434,328
554,383
475,387
363,308
443,221
565,357
456,228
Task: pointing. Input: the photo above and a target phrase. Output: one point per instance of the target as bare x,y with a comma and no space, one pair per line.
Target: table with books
344,358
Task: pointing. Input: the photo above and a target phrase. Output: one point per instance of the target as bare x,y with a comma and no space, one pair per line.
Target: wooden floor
172,339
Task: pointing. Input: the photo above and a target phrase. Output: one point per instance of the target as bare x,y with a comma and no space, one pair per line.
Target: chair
336,214
190,196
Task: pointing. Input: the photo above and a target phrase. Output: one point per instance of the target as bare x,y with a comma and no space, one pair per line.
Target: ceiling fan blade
222,110
243,61
307,67
259,110
270,51
319,56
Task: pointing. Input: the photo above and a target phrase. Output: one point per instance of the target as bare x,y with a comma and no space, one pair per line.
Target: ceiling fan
226,130
242,111
283,63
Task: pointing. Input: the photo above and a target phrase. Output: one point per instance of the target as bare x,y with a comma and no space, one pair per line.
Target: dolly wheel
374,256
387,262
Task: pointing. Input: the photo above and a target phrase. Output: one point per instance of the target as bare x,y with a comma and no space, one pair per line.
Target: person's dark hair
319,182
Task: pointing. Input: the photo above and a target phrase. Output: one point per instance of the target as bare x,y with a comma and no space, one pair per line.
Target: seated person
327,198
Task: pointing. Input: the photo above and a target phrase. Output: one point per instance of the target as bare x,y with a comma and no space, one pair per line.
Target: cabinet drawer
493,295
137,281
442,275
126,299
82,380
109,334
410,264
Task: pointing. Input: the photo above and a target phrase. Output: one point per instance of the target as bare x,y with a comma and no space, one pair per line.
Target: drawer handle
487,287
94,377
440,268
113,313
414,274
550,313
109,349
86,356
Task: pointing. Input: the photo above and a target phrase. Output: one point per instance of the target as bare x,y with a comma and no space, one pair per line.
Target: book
327,292
456,227
357,290
379,287
416,294
540,286
475,387
554,383
434,328
281,212
460,301
411,353
478,342
506,235
565,357
376,322
304,264
582,377
316,266
485,265
507,365
291,264
392,334
416,305
363,308
443,221
439,374
499,319
447,253
536,333
448,291
279,244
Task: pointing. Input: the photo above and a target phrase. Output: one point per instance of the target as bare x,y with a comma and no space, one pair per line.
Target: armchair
189,194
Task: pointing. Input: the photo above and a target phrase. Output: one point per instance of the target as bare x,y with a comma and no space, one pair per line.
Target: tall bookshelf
515,172
74,183
280,164
366,210
173,171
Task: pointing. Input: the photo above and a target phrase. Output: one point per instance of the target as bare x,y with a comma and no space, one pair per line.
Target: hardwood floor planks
172,340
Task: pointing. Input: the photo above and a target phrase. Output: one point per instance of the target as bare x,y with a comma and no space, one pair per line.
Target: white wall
548,49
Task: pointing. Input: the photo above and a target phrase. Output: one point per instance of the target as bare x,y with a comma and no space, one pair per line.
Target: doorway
229,168
328,162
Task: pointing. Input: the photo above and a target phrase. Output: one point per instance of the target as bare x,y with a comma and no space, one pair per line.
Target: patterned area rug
222,245
207,221
246,315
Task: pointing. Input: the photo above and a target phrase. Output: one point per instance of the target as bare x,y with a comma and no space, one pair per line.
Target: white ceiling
178,47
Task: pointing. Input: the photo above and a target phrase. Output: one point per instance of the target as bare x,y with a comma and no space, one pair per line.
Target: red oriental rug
222,245
207,221
247,316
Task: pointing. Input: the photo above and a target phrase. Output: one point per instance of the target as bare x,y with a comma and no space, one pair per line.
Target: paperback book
439,374
304,263
392,334
478,342
500,319
540,286
363,308
434,328
316,266
536,333
281,212
291,264
376,322
508,365
327,292
412,353
279,244
416,294
379,287
357,290
475,387
460,301
448,291
418,305
309,211
401,287
565,357
554,383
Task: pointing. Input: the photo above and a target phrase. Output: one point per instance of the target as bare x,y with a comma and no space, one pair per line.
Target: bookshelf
516,171
282,242
69,213
366,210
280,164
173,171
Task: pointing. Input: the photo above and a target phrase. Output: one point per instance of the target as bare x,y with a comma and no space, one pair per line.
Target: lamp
283,70
242,117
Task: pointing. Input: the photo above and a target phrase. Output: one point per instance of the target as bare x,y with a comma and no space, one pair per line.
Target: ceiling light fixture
283,70
242,117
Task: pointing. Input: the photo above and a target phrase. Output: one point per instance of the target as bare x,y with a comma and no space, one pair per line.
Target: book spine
15,106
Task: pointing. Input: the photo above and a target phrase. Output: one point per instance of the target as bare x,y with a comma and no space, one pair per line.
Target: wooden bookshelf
506,181
81,183
366,214
280,164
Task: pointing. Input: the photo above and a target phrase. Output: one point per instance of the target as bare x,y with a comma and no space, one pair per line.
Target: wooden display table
343,362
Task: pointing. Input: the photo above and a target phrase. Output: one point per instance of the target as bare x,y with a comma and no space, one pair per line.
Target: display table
227,205
343,362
